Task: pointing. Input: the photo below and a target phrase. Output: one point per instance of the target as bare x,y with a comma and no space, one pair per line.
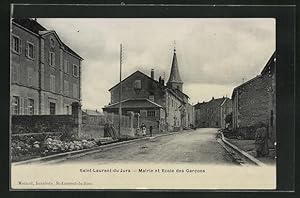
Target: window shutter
49,58
33,51
35,109
21,105
20,46
25,106
26,50
53,59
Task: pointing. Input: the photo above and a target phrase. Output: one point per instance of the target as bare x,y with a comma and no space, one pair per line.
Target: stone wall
254,102
26,124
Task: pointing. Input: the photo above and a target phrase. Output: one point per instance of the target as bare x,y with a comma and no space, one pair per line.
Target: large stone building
212,113
254,101
45,72
153,100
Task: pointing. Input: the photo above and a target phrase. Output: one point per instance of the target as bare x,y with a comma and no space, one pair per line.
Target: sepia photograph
143,103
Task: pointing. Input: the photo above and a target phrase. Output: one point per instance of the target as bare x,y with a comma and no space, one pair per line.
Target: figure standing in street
261,140
143,126
150,130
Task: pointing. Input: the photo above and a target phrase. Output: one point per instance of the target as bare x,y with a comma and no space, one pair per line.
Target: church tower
175,81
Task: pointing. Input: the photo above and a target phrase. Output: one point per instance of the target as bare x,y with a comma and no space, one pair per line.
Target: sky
214,55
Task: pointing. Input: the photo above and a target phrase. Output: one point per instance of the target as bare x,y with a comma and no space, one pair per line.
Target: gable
146,81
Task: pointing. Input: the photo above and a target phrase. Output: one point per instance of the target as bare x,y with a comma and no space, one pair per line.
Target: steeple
175,81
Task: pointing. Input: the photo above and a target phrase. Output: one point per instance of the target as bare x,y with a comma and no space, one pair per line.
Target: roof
92,112
135,103
270,64
216,102
174,74
155,81
37,28
132,75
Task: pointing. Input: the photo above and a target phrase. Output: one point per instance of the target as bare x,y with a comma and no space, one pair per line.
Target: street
195,146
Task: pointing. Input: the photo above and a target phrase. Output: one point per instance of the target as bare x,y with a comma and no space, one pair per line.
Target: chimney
152,73
163,82
159,79
213,98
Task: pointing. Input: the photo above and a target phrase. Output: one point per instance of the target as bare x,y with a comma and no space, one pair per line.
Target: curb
245,154
73,154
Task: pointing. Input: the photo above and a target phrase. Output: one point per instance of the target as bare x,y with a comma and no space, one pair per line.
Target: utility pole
120,93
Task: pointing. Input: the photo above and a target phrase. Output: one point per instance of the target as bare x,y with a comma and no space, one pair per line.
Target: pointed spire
174,74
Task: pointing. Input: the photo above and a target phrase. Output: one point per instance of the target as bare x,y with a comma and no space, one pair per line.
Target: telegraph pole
120,93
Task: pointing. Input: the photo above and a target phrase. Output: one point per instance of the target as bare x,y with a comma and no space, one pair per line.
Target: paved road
196,146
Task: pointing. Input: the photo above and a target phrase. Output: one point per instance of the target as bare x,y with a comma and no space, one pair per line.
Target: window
66,87
52,59
30,106
52,108
30,76
217,123
150,113
75,70
52,42
30,50
16,45
52,83
66,66
137,84
16,105
75,90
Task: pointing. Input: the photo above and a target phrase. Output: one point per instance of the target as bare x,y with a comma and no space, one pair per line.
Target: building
152,99
226,110
254,101
212,114
45,72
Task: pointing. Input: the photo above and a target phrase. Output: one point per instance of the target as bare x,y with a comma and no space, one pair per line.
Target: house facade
226,109
255,101
45,73
153,99
212,114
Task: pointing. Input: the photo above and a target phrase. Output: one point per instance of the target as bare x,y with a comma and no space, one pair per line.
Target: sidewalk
249,147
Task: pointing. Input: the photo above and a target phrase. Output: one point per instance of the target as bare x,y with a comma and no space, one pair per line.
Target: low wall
22,124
